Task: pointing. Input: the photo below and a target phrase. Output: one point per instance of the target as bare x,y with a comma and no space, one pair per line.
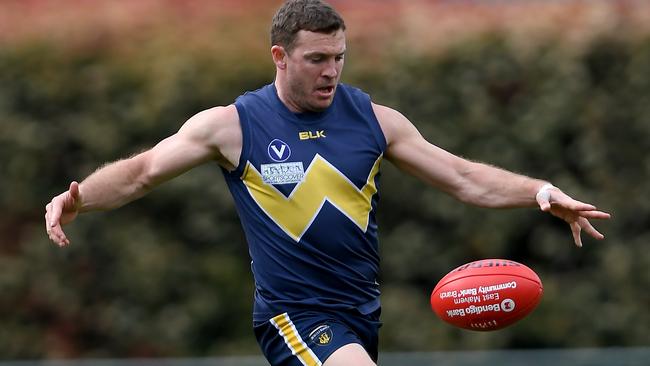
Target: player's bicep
203,138
412,153
171,157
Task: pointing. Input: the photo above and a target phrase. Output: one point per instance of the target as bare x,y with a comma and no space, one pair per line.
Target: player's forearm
115,184
489,186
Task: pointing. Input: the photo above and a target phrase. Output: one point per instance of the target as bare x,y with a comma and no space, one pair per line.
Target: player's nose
330,70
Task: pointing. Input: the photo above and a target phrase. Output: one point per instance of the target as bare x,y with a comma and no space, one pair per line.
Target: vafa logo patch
279,151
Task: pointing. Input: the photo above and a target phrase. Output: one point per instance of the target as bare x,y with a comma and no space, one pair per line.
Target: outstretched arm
213,134
477,183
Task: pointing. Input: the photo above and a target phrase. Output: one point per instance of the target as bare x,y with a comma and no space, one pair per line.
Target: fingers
49,213
583,224
545,196
54,231
575,213
575,230
589,229
580,206
57,235
47,218
595,215
579,221
571,204
60,202
53,212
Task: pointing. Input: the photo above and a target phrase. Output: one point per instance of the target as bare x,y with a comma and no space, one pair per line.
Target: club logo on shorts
322,335
279,151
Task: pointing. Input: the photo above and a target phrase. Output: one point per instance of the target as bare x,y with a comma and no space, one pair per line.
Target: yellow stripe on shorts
291,337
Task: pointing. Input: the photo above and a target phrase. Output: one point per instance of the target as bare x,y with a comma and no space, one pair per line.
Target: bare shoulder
394,124
217,129
213,120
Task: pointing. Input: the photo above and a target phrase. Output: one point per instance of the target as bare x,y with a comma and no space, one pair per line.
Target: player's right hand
61,210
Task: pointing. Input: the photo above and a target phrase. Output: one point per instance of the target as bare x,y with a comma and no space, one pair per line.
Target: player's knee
352,354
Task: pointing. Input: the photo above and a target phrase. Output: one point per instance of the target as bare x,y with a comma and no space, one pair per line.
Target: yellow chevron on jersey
322,182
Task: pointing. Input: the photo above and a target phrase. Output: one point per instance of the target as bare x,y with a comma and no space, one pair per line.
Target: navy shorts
309,337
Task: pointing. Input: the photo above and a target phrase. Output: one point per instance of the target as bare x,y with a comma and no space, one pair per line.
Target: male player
301,157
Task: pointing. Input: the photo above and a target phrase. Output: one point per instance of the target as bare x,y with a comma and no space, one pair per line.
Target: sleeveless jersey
306,191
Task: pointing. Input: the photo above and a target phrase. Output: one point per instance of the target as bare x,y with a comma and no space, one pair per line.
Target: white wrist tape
544,192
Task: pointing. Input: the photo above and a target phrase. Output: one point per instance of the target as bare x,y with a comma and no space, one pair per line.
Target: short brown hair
297,15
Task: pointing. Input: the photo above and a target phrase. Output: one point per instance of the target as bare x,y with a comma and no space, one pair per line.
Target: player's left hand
63,209
575,213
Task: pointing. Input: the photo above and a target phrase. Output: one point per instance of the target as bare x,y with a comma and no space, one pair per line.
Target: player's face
313,70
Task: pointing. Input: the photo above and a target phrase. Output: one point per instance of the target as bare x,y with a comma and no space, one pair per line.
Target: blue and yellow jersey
306,190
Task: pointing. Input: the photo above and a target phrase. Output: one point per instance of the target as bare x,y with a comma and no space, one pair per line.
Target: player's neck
283,94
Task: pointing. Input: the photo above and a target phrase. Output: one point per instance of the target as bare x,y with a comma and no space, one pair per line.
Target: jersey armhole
246,140
373,122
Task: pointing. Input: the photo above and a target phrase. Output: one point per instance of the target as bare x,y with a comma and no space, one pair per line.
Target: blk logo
279,151
307,135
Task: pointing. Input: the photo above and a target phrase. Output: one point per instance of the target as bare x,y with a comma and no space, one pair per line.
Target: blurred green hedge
169,275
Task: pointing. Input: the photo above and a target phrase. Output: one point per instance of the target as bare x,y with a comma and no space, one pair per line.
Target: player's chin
320,105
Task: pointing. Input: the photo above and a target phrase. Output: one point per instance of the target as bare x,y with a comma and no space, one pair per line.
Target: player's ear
279,55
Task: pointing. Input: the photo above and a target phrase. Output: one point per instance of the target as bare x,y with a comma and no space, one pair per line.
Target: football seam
481,275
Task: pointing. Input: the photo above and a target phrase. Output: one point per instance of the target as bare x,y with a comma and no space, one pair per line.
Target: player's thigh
352,354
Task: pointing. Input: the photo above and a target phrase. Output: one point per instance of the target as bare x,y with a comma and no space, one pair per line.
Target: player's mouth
325,91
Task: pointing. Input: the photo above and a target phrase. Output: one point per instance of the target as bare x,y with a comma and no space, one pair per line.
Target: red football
486,295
